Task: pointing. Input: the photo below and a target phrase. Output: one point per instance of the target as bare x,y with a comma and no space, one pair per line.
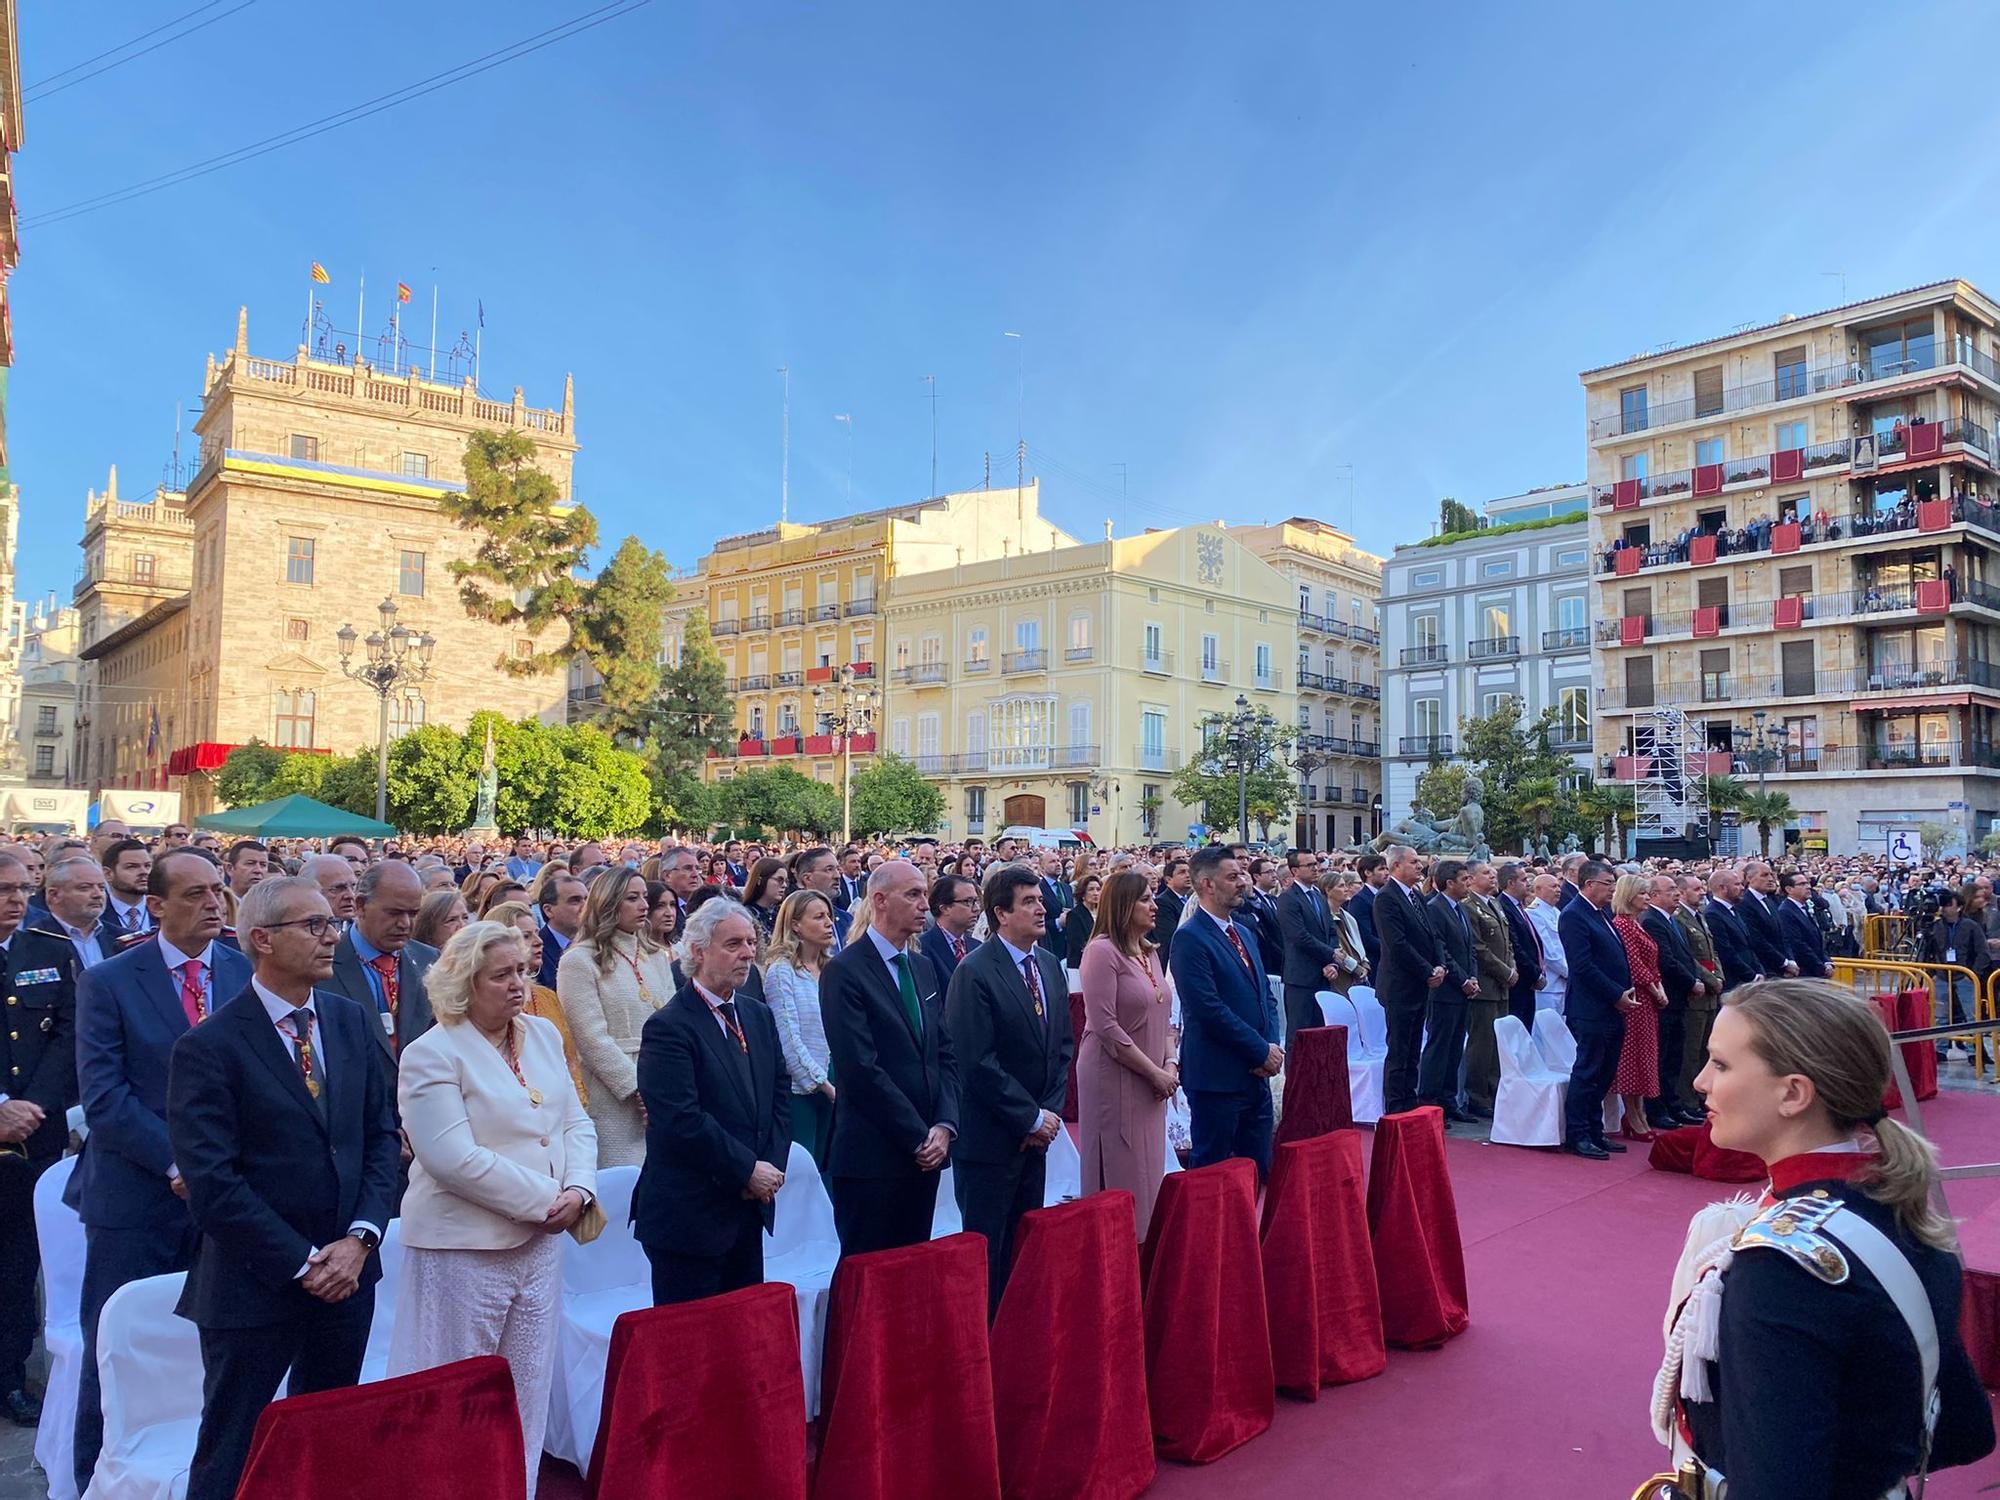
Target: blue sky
1270,259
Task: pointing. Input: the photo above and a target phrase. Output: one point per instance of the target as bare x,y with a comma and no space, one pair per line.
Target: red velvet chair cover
1208,1346
1317,1097
906,1386
1069,1109
1713,1163
1979,1324
1914,1013
445,1433
1319,1269
1069,1357
704,1401
1419,1263
1889,1008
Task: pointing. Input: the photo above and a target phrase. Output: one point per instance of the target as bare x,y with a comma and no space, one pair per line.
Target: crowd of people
273,1050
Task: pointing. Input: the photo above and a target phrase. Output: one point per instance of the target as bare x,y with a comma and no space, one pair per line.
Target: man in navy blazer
1305,923
1732,942
1374,872
948,941
126,1187
279,1117
1600,996
1800,929
1758,912
1527,943
1229,1021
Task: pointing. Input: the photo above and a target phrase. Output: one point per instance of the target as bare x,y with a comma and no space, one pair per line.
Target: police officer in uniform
1818,1350
37,1087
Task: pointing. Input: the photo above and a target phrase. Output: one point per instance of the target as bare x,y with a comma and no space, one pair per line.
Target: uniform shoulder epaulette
1796,1227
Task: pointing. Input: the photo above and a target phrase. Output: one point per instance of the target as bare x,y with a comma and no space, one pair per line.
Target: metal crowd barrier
1902,973
1885,934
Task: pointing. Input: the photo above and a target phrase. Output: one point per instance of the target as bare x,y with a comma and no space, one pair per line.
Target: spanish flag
319,274
402,292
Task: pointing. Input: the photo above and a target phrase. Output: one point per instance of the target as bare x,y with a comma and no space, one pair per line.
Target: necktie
906,983
958,949
384,965
134,920
300,1025
727,1010
193,997
1033,978
1236,942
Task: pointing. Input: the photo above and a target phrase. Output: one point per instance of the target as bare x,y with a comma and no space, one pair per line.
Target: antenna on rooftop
785,471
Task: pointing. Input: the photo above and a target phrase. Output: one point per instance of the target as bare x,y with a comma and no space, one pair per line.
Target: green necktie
906,980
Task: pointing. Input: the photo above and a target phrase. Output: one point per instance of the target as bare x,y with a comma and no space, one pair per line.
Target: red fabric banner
1785,537
1069,1357
1629,560
906,1387
1317,1097
704,1401
1419,1263
1625,495
1708,622
1707,479
1933,596
453,1430
1923,440
1702,549
1933,515
1631,629
1787,465
1319,1271
1788,613
1208,1344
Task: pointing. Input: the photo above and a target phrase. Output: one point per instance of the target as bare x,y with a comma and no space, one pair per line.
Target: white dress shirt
84,940
124,915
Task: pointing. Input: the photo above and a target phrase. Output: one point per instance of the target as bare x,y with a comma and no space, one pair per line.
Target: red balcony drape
1707,479
1787,465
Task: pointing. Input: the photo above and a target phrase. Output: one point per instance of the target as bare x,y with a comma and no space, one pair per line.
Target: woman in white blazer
504,1160
610,981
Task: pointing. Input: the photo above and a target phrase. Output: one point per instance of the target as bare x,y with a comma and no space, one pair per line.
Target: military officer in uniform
1817,1352
37,1087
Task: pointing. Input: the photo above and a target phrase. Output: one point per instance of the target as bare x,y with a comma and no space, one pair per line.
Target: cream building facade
1062,689
1796,558
45,727
209,617
1339,676
789,606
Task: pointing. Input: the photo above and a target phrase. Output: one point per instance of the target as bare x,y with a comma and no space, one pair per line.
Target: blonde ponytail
1904,1177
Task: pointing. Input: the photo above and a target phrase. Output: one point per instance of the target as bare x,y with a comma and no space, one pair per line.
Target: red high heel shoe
1642,1136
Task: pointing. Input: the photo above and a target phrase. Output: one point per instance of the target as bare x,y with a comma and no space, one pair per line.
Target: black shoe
1456,1116
22,1409
1616,1148
1696,1117
1588,1150
1479,1113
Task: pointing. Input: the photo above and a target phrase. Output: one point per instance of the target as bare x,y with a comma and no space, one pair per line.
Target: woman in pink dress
1127,1070
1638,1075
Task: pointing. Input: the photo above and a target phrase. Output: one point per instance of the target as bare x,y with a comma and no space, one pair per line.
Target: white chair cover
1075,978
1614,1113
945,1217
1528,1105
802,1252
375,1360
149,1366
1064,1180
1173,1156
60,1234
601,1280
1554,1041
1374,1019
1364,1068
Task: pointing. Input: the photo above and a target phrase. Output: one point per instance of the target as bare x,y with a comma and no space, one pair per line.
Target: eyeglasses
16,890
317,926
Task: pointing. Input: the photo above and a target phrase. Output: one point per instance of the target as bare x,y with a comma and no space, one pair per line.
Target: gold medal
535,1098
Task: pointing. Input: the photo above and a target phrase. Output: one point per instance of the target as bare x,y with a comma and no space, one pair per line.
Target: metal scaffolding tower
1671,792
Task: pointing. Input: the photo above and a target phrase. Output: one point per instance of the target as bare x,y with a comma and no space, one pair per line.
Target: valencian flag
402,292
319,274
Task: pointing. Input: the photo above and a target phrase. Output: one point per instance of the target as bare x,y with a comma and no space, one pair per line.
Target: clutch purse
589,1224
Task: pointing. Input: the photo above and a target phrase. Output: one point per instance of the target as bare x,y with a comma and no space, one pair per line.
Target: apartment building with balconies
1473,619
1339,674
1796,524
1063,688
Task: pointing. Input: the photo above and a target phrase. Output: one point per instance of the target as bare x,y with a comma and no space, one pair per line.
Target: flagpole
396,334
361,318
434,330
478,338
306,338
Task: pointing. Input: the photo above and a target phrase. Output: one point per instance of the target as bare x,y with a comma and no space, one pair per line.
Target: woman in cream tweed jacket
610,980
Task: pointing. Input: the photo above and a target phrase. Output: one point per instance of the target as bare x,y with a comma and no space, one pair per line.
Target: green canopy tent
294,817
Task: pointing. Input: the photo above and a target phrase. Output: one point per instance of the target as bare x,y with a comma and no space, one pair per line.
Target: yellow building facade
209,617
1062,689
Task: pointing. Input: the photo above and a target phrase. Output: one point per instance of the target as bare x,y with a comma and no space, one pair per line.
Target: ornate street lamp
396,658
845,706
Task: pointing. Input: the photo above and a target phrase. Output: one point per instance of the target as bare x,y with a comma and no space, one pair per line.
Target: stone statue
1419,830
483,819
1470,824
1571,845
1538,847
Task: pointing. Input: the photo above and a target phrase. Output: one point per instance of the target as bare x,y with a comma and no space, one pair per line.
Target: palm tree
1611,806
1536,798
1767,810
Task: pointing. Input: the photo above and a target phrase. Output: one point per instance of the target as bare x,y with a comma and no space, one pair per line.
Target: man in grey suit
1444,1048
379,967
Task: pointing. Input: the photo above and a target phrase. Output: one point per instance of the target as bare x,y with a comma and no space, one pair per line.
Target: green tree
1454,517
1767,810
433,780
893,796
569,779
348,782
530,546
682,801
1934,837
776,800
693,712
621,632
1440,788
1210,781
1538,802
1609,808
245,777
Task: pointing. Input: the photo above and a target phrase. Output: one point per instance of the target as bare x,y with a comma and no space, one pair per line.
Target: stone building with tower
209,616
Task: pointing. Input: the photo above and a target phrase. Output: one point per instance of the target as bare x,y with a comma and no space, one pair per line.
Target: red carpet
1568,1263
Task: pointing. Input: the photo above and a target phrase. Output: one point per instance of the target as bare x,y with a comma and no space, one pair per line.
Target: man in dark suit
76,901
852,878
562,914
680,872
37,1085
1007,1012
814,870
1169,904
1311,950
734,865
1445,1019
1681,979
1758,912
718,1119
1733,950
948,941
1374,872
1600,997
896,1110
1259,913
1412,969
1526,942
379,967
279,1118
1801,932
1570,865
1230,1024
126,1187
126,864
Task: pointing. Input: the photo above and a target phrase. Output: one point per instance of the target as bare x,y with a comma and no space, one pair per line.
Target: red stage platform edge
1419,1262
454,1430
1072,1305
1317,1097
1319,1270
906,1385
705,1401
1208,1342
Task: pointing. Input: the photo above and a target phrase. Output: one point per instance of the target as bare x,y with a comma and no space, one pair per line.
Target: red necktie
1236,942
193,997
958,949
1030,972
384,965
